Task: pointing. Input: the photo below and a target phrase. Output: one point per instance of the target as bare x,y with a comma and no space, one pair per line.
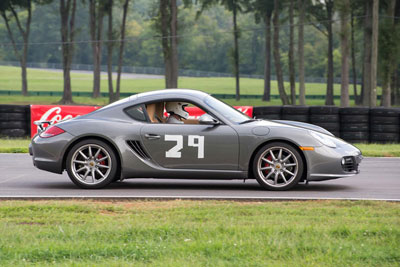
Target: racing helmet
177,108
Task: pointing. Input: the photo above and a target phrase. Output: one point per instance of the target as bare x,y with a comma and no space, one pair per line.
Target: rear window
136,113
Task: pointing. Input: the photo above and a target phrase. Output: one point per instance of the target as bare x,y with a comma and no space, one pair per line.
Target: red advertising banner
56,113
195,112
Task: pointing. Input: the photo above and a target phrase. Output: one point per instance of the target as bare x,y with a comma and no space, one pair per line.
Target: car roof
171,93
156,95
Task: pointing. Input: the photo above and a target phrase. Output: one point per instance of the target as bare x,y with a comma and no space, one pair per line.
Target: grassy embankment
42,80
192,233
368,150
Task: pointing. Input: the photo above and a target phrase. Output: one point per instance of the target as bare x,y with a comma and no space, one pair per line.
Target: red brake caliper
99,157
267,164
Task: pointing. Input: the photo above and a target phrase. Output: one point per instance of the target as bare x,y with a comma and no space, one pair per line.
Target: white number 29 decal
193,141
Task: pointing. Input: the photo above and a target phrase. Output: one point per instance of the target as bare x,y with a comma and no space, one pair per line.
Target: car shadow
220,185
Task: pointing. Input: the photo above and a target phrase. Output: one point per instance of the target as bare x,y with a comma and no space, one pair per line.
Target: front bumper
325,163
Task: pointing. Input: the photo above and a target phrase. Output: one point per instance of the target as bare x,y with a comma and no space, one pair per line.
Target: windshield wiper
247,121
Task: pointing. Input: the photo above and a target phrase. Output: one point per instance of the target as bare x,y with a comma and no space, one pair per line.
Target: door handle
152,136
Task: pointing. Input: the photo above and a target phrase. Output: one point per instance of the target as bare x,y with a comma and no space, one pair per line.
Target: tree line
367,48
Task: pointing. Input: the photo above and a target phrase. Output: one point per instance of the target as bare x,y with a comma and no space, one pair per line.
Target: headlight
323,139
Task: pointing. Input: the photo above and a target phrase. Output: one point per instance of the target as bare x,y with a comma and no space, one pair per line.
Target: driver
177,112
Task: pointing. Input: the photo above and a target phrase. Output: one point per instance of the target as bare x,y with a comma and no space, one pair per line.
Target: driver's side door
192,146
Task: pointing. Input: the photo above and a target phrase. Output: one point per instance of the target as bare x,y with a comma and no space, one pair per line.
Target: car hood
296,124
304,125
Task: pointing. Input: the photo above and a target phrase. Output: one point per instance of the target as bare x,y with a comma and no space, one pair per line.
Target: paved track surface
379,179
105,77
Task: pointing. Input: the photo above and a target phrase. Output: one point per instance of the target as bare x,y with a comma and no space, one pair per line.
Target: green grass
192,233
42,80
379,150
20,145
14,145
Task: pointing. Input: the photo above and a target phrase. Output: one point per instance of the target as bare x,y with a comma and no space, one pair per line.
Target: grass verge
45,80
193,233
14,145
20,145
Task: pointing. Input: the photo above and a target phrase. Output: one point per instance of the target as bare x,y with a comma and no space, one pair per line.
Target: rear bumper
48,153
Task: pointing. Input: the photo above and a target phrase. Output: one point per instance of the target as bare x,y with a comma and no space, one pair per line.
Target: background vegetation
205,41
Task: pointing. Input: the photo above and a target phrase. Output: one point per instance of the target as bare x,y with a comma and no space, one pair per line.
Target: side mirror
208,120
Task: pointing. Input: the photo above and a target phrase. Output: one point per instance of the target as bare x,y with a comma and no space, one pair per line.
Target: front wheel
92,164
278,166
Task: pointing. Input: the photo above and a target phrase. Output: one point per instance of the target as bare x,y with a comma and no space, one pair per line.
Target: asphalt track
379,179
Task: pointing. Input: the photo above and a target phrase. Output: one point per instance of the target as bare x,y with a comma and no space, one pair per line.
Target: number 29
193,141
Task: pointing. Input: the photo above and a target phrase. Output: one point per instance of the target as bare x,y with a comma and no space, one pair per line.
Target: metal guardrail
124,94
160,71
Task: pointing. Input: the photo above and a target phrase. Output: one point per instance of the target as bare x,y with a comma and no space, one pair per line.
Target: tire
335,133
355,127
267,110
269,117
13,117
386,112
328,110
291,117
355,111
295,110
292,173
14,108
13,125
386,137
355,135
354,118
330,126
14,132
384,120
382,128
324,118
77,170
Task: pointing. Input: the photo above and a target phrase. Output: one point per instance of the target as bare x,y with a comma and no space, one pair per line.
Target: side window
136,113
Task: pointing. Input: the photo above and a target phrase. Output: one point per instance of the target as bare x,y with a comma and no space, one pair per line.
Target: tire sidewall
295,153
114,164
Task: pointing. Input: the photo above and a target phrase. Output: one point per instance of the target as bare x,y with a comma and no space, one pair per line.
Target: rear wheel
92,164
278,166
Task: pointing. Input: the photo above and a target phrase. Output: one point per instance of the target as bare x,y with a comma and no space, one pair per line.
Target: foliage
209,35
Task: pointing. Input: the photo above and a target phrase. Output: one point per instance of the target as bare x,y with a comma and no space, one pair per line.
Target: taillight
51,131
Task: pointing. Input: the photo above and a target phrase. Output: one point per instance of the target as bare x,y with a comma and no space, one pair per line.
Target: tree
277,60
387,51
302,89
357,98
236,7
292,74
366,86
263,9
96,15
121,48
67,15
110,45
169,40
113,96
323,12
344,8
374,53
9,9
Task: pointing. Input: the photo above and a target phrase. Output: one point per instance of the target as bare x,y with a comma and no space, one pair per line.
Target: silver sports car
151,135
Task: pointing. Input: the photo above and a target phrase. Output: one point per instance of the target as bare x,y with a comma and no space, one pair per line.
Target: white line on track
188,198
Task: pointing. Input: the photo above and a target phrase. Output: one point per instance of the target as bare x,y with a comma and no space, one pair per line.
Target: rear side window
136,113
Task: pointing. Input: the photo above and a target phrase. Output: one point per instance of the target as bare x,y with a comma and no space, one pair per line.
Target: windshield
225,110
